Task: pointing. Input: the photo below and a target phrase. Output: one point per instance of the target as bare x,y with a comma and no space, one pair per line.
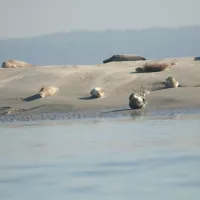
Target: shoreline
115,114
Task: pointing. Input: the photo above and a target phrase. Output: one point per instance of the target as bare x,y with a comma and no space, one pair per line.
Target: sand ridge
117,79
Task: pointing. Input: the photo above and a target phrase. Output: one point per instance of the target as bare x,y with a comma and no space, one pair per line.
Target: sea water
145,158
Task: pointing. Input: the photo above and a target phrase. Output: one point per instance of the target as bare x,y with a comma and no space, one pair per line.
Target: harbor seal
48,91
171,82
124,57
15,64
97,92
137,101
197,58
154,67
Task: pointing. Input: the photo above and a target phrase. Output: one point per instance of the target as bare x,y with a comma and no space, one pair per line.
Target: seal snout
42,95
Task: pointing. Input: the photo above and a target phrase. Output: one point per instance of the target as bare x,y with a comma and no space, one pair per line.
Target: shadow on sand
32,98
87,98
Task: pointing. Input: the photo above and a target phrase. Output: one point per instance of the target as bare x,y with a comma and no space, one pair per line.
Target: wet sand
19,88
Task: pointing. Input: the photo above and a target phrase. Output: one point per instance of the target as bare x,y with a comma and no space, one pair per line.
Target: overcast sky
24,18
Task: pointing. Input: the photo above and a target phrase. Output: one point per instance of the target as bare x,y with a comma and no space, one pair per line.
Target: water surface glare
152,159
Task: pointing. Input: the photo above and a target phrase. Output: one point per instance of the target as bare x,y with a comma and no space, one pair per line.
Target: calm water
149,158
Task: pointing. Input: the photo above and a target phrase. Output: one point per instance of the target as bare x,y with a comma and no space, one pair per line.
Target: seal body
137,101
154,67
15,64
171,82
124,57
97,92
197,58
48,91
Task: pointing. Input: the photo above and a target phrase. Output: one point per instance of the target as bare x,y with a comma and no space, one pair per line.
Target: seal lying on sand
15,64
48,91
154,67
197,58
171,82
124,57
137,101
97,92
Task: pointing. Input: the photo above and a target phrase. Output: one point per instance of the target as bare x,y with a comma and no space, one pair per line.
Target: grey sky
21,18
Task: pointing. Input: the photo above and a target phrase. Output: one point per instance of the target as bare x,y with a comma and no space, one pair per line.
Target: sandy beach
117,79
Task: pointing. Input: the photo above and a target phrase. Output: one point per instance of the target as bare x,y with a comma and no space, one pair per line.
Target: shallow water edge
112,114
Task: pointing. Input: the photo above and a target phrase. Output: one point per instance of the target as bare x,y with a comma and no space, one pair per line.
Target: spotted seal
97,92
154,67
15,64
171,82
137,101
48,91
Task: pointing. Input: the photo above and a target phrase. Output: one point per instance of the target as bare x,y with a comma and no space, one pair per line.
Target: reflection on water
148,158
41,118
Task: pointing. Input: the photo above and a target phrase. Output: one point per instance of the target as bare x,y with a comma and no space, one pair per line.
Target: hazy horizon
92,47
99,31
29,18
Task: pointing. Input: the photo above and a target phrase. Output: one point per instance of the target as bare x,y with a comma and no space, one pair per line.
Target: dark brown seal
124,57
154,67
